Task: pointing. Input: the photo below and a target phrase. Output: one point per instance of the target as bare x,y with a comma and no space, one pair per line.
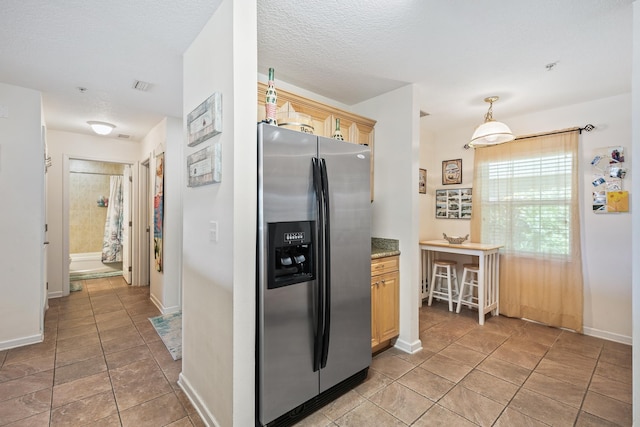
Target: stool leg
464,277
449,288
455,281
432,285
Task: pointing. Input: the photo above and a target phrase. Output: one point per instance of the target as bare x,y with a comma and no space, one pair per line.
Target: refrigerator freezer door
285,314
348,169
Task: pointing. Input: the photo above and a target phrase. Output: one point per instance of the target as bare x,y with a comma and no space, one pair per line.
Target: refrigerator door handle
319,309
327,263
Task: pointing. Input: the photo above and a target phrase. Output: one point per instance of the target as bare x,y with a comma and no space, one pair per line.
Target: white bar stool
444,269
469,281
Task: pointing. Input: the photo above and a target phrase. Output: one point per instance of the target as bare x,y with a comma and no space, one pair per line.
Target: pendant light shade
491,132
101,128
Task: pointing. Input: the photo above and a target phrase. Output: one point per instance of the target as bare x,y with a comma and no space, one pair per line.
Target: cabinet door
374,315
388,306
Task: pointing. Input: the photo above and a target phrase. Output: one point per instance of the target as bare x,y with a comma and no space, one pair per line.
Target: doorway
99,213
144,254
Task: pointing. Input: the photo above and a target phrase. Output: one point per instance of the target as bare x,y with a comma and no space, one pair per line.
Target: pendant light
491,132
101,128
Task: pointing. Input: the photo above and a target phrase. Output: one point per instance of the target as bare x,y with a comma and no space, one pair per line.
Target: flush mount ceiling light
491,132
101,128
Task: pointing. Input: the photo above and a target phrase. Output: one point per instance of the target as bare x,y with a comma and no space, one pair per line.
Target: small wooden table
488,274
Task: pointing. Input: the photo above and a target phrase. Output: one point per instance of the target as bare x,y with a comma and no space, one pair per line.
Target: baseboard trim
156,302
592,332
407,347
162,308
19,342
169,310
55,294
196,401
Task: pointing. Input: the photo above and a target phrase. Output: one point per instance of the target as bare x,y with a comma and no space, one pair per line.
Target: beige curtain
525,197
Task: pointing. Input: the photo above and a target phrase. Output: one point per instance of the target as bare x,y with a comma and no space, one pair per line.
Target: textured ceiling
456,51
57,46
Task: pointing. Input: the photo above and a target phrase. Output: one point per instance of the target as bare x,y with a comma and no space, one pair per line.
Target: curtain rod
588,128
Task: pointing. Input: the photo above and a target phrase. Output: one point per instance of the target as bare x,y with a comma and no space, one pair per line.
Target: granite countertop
381,248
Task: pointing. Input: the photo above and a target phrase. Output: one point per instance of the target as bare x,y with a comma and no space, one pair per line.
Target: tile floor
103,364
507,373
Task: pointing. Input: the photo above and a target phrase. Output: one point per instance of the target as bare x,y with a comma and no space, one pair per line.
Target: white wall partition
635,208
396,204
21,218
166,137
219,274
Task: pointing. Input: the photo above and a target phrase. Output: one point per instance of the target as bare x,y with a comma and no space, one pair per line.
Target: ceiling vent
141,86
124,136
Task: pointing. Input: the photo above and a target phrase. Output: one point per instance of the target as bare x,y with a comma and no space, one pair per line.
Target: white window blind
526,203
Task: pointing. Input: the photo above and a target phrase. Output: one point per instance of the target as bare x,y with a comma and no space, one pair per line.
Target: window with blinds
526,203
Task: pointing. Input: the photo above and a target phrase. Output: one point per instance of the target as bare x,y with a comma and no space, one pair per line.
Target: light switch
213,231
4,112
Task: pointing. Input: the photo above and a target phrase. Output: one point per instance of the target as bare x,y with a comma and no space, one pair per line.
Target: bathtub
91,263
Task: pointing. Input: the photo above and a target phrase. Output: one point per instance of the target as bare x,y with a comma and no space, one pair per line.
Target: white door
144,260
126,233
45,239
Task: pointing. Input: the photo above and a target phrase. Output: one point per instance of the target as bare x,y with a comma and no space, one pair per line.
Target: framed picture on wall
454,204
205,120
422,181
452,172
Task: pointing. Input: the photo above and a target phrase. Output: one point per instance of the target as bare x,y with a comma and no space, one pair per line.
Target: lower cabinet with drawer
385,307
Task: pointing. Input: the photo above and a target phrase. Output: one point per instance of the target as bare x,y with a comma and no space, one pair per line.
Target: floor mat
87,276
169,327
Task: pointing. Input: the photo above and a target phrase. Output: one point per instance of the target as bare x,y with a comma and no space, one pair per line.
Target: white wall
427,153
218,282
606,238
21,218
635,207
395,207
166,137
436,148
67,145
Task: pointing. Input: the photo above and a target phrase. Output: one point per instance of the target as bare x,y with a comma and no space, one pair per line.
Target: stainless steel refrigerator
313,272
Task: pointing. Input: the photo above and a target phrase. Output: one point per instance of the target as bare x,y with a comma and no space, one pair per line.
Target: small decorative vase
271,100
337,134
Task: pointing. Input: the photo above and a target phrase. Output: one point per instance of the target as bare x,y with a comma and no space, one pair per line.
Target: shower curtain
113,228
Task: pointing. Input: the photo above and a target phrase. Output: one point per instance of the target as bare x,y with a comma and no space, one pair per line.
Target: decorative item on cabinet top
288,118
355,128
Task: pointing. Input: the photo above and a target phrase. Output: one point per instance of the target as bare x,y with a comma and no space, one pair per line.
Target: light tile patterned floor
507,373
103,364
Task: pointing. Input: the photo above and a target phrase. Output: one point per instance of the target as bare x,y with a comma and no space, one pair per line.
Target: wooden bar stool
468,296
444,270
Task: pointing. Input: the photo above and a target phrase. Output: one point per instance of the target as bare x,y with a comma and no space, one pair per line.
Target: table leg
482,296
423,272
496,282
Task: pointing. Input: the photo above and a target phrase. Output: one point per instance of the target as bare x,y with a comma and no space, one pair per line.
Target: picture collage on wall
609,173
454,203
